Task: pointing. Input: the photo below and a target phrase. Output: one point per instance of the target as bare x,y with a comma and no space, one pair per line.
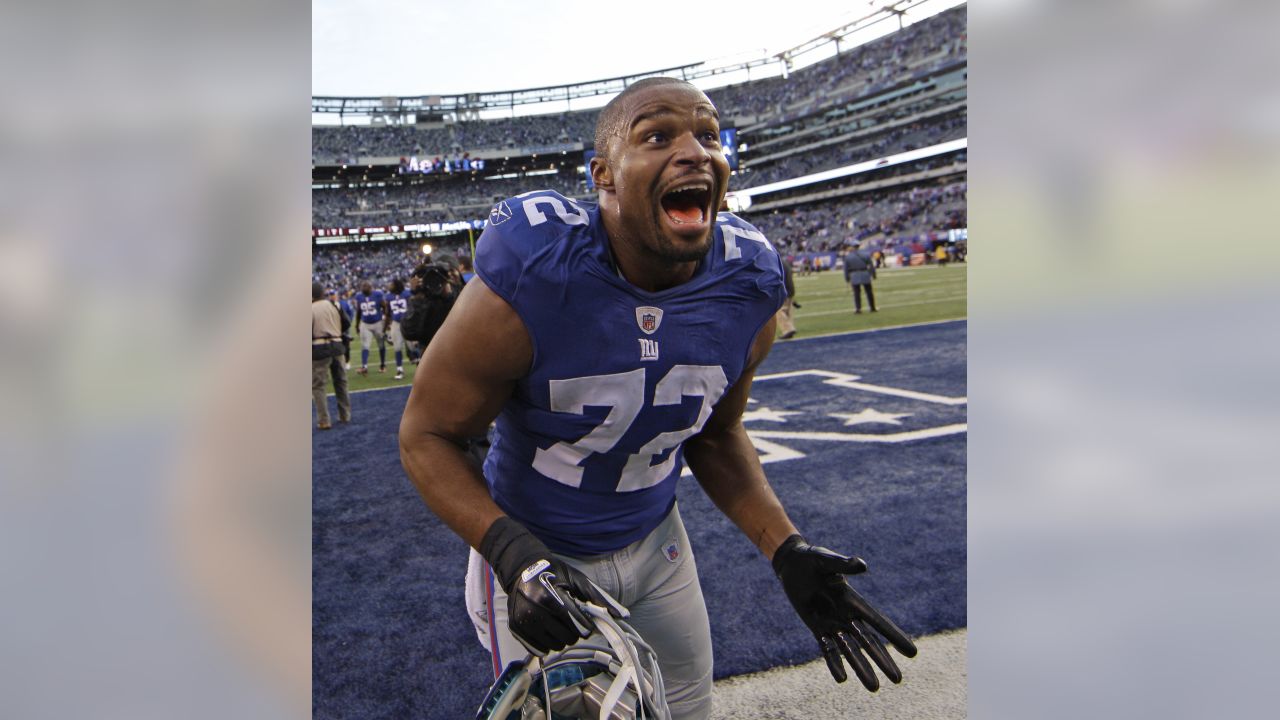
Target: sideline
871,330
776,342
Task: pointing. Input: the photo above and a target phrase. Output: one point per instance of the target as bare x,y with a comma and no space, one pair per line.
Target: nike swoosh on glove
841,620
542,608
542,591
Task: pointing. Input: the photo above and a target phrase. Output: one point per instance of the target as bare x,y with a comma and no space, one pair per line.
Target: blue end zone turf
863,438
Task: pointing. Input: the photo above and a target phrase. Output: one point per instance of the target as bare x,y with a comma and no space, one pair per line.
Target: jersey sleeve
519,230
752,246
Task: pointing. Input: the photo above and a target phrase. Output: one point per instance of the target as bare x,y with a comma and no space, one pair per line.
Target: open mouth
688,205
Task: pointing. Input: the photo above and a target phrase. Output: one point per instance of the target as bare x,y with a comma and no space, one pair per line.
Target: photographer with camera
433,287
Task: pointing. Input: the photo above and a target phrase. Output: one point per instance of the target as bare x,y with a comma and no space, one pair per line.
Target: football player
372,308
397,304
612,343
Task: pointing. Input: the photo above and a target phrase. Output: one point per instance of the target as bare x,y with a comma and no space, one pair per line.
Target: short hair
609,121
317,291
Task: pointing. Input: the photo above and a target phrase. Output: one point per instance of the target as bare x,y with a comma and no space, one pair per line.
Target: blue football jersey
399,304
370,306
587,452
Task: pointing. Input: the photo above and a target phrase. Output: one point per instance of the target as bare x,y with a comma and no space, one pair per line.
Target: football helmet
610,675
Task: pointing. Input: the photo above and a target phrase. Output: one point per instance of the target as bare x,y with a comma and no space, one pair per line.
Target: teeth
689,188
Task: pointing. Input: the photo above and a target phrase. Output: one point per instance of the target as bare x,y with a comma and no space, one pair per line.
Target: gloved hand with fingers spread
841,620
540,612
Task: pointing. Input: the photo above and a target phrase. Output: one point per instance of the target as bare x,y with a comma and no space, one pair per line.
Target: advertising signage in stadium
427,228
439,165
729,144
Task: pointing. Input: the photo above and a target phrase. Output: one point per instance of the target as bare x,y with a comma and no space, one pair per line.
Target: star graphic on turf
768,415
870,415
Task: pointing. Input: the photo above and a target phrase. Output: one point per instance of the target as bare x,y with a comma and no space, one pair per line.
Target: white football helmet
611,675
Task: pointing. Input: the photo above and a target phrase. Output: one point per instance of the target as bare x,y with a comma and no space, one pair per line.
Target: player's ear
601,173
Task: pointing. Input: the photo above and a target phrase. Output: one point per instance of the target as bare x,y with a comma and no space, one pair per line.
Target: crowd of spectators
526,132
348,142
839,121
943,162
883,220
461,197
932,41
860,70
344,267
907,137
467,197
891,220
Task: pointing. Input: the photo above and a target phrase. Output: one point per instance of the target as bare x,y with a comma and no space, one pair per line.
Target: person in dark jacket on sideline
858,272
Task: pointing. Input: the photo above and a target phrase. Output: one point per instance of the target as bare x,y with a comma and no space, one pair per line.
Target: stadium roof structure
486,100
469,105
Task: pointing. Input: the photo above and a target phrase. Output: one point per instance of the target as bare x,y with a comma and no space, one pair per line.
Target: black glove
841,620
540,611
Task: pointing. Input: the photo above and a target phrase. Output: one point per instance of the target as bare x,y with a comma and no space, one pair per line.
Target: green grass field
904,296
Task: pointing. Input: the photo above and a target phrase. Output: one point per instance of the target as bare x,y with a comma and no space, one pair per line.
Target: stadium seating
904,91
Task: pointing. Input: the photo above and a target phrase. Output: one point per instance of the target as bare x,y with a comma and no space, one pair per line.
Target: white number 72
623,394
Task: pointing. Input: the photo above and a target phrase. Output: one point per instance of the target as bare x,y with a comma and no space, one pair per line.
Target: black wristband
780,555
509,548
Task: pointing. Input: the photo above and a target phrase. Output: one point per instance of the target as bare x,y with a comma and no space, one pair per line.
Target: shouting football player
613,343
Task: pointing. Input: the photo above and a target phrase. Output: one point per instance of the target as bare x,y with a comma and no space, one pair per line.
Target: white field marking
769,452
758,435
793,340
846,380
878,329
879,288
895,286
365,390
911,295
882,307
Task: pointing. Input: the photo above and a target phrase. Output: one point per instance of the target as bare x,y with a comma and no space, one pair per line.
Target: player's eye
657,136
710,137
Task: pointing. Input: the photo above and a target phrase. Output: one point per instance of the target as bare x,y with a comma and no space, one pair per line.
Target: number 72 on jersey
624,395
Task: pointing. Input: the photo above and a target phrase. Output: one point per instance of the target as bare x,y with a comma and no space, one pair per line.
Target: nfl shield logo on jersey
671,550
648,318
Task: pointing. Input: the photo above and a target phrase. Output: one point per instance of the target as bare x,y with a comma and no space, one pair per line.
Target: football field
863,436
904,296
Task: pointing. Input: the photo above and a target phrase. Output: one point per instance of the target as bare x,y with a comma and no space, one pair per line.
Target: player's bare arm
466,374
458,390
847,627
728,468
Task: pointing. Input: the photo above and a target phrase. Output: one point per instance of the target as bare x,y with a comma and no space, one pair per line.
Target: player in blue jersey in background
397,304
610,345
371,315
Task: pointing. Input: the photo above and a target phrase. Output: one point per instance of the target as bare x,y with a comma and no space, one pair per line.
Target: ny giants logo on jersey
648,318
648,349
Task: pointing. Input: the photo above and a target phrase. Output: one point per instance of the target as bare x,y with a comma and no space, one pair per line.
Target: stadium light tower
426,248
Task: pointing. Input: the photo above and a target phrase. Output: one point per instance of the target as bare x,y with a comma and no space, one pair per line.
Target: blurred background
154,452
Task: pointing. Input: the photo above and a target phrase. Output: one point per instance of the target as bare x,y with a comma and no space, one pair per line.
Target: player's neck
648,272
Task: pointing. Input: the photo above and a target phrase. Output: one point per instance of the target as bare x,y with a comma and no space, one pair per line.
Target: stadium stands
904,91
344,267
